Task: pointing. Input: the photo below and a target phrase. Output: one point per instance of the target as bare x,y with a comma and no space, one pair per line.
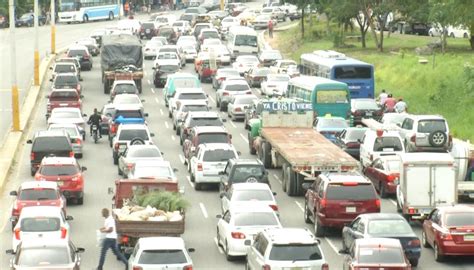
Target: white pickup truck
281,66
463,154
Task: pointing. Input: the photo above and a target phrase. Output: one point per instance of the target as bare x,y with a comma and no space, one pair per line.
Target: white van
376,143
242,40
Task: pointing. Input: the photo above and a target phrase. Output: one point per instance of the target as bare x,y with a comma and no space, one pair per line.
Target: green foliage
162,200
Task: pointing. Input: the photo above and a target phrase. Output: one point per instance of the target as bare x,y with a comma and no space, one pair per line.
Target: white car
128,99
275,85
241,224
129,134
67,116
150,49
41,222
167,58
238,104
123,87
76,135
208,42
165,19
163,40
181,27
160,253
248,194
223,54
185,94
131,25
210,159
65,67
153,169
376,143
190,52
228,22
244,63
187,40
137,153
183,108
228,89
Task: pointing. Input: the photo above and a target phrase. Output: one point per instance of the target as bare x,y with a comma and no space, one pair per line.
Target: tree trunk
471,41
362,37
302,23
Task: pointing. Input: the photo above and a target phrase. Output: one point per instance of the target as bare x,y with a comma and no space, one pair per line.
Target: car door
253,252
224,227
372,172
260,250
406,129
318,197
430,224
226,197
355,231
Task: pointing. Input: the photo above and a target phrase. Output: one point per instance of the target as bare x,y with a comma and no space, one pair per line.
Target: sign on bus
287,106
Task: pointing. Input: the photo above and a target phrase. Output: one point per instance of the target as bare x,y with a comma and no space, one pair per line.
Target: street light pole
15,100
36,54
53,27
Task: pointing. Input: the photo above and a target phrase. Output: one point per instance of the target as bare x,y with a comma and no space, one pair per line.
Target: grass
444,86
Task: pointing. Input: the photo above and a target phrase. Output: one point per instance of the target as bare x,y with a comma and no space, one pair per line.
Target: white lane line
218,247
203,210
166,124
189,181
149,82
161,111
243,137
393,202
172,137
181,157
212,99
152,90
232,124
157,101
277,178
299,206
331,244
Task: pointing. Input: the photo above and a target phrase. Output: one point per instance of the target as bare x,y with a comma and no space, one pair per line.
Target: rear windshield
41,256
66,80
349,72
359,192
428,126
332,96
146,152
192,96
74,53
246,40
355,134
63,95
459,219
64,68
169,68
38,194
380,256
242,172
213,138
197,122
237,87
387,144
218,155
244,100
389,227
185,83
252,195
255,219
162,257
59,170
130,134
195,108
40,224
129,114
165,31
125,88
50,144
148,25
295,252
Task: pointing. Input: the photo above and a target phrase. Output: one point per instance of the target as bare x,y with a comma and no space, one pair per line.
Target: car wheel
218,237
424,241
438,257
251,148
414,262
85,18
227,256
399,208
218,104
307,218
111,16
437,138
197,186
80,201
319,230
266,155
283,177
115,157
247,267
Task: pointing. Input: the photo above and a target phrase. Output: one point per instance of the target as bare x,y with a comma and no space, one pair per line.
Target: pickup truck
130,231
125,114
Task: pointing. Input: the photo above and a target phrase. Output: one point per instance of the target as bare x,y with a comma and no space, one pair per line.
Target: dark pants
270,32
111,243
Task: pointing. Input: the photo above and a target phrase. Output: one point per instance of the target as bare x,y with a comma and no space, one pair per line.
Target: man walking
270,28
110,240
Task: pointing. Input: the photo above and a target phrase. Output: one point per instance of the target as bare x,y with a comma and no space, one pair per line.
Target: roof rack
375,125
329,54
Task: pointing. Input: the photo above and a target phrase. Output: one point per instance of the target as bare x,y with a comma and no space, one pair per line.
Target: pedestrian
401,106
382,97
126,8
270,28
110,240
389,103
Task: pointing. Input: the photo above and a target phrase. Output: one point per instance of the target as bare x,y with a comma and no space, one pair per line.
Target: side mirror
110,191
142,100
230,136
191,250
221,173
81,96
399,125
152,134
81,79
51,68
224,120
175,169
221,195
13,193
85,115
69,218
47,96
29,142
83,168
359,140
145,114
50,80
10,251
274,193
218,216
306,186
80,250
247,242
239,153
154,68
343,251
47,115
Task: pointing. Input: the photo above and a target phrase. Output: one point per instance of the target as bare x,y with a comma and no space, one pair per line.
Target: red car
449,230
203,67
34,193
67,173
256,76
376,253
63,98
335,199
384,172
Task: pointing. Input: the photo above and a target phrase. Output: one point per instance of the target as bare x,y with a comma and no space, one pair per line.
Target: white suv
425,133
285,248
130,134
376,143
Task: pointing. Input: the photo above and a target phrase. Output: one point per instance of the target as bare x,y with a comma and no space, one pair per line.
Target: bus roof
331,59
310,82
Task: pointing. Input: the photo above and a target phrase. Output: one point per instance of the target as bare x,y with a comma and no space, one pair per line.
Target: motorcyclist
95,119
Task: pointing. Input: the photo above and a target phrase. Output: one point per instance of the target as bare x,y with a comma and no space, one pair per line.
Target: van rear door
444,185
417,181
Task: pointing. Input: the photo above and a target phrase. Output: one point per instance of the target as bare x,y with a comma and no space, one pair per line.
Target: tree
463,16
441,14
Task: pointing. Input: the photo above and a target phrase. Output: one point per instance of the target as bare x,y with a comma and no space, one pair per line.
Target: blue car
27,19
330,126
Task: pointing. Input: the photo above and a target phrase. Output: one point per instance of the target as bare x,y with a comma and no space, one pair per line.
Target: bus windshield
69,5
331,96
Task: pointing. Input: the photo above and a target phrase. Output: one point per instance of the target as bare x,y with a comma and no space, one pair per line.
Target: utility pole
53,27
36,53
15,99
222,4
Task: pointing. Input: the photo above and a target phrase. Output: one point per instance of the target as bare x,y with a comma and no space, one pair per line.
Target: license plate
63,104
147,30
368,114
60,183
350,209
94,127
469,237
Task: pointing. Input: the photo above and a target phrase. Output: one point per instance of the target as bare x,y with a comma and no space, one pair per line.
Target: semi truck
284,138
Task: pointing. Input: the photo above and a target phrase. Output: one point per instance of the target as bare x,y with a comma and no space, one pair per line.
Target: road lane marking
181,157
172,137
331,244
166,124
212,99
161,111
243,137
232,123
203,210
393,202
157,101
152,90
277,178
149,82
189,181
299,206
218,247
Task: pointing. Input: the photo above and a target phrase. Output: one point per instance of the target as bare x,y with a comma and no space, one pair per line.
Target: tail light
75,178
323,203
274,207
124,239
325,266
63,232
32,156
413,138
113,128
225,94
352,145
377,203
446,236
130,166
137,268
16,210
85,56
391,177
220,79
199,167
78,141
71,154
350,184
412,211
248,92
188,267
414,243
17,233
237,235
266,267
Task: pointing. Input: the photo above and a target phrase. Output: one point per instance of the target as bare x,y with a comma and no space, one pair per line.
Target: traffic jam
285,164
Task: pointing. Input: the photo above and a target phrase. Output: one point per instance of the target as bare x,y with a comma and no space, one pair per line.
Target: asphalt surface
205,205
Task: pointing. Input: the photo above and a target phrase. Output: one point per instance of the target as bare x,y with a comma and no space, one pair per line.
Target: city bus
358,75
325,95
87,10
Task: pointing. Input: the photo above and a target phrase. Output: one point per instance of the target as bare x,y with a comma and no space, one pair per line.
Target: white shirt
382,98
401,106
110,223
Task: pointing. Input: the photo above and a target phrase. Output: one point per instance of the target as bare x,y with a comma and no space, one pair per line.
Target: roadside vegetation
444,85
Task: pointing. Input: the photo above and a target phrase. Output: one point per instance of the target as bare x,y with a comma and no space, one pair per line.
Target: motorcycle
95,133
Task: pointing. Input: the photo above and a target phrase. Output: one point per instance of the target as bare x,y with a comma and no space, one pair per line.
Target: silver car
425,133
75,133
183,108
137,153
238,104
153,170
229,88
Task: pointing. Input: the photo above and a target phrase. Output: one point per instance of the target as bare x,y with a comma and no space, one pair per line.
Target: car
161,252
196,94
203,134
173,49
275,85
330,126
240,224
73,60
195,10
68,116
124,114
194,119
221,75
242,171
383,225
91,45
262,21
198,27
183,107
130,134
82,53
181,27
67,173
384,172
334,199
153,169
363,108
386,253
47,143
63,98
228,89
283,248
75,134
349,140
190,52
106,113
65,81
137,153
255,76
248,194
150,49
210,159
147,30
190,17
123,87
168,32
448,230
228,22
223,54
97,34
28,20
237,106
219,14
132,99
210,41
161,73
51,254
206,65
425,133
275,12
188,40
166,58
130,25
244,63
163,40
206,33
64,67
41,222
377,143
35,193
165,19
393,119
268,57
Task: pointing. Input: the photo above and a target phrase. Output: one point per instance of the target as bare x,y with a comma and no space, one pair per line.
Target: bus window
331,96
348,72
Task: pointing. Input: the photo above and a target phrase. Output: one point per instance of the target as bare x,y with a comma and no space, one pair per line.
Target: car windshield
382,255
58,170
365,105
185,83
237,87
332,123
65,81
145,153
64,68
252,195
40,224
124,99
187,96
213,138
393,118
50,144
43,256
129,114
165,257
246,100
246,40
243,172
331,96
72,131
428,126
218,155
63,95
354,135
295,252
125,89
195,108
167,56
255,219
351,72
38,194
459,219
153,171
387,144
388,227
130,134
358,192
58,114
205,121
169,68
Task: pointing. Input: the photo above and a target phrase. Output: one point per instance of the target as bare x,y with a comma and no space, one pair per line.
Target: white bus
242,40
87,10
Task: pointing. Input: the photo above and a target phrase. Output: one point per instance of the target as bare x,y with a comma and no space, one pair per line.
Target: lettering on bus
287,106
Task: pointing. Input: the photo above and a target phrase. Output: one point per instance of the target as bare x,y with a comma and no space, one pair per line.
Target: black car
412,28
160,74
148,30
82,53
349,140
66,81
363,108
169,33
243,171
28,19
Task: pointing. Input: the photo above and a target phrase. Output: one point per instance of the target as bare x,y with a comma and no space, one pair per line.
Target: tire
283,177
251,148
218,104
110,141
197,186
139,85
137,141
226,251
307,219
424,241
319,230
80,201
218,237
382,191
291,182
111,16
437,138
115,159
106,87
437,256
298,184
266,155
414,262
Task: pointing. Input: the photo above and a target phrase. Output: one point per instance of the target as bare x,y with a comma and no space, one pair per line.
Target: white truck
463,154
426,181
